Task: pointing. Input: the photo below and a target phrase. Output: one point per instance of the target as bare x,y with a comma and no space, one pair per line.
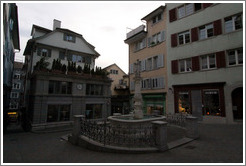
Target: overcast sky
102,24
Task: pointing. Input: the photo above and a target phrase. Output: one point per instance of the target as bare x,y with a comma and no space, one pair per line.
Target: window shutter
194,34
175,67
217,27
143,64
220,59
49,52
161,83
160,62
149,41
131,68
162,35
174,40
144,42
205,5
172,15
195,63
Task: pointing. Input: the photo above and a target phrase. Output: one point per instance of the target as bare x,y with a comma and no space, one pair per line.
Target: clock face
79,86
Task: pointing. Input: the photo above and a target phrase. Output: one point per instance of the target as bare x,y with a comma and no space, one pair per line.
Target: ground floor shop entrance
237,103
154,104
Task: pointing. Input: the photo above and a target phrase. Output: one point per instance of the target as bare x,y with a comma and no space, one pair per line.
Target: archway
237,103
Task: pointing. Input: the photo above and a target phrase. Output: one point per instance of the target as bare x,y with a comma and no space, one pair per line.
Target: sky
102,24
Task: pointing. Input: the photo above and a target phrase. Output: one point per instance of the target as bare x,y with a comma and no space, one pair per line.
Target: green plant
41,64
79,69
64,68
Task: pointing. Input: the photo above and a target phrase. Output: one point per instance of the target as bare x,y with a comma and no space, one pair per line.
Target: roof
116,66
154,13
40,28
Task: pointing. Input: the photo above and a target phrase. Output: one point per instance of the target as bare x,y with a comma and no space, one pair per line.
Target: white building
205,60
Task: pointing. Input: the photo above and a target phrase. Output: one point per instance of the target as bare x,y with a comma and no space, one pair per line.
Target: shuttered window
217,27
175,67
172,15
220,59
194,34
174,40
195,63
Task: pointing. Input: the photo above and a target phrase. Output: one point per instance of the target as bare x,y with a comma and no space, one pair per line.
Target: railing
178,119
123,136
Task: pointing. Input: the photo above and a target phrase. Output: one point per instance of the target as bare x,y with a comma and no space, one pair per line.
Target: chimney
56,24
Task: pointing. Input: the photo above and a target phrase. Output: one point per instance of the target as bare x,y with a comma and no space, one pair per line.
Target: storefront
154,104
200,99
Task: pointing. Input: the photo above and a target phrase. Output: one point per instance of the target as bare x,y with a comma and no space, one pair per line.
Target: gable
56,39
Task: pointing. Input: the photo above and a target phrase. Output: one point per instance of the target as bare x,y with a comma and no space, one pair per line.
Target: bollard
160,134
192,127
76,129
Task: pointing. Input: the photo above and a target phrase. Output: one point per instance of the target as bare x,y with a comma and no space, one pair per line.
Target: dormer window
69,38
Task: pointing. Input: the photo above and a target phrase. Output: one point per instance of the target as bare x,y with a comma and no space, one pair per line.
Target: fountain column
137,99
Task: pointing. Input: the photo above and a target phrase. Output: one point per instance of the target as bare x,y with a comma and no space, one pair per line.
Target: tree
41,64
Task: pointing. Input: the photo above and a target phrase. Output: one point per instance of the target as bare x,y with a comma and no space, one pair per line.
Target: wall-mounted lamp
170,90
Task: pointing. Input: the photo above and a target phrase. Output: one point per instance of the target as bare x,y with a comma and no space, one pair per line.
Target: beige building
147,43
119,89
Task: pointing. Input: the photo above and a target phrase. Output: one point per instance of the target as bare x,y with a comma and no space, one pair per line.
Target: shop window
93,89
58,113
155,109
235,57
93,111
211,103
184,102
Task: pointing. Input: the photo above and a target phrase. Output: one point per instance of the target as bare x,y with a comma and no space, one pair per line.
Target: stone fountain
137,118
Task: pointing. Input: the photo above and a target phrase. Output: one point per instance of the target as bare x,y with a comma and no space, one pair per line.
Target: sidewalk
217,144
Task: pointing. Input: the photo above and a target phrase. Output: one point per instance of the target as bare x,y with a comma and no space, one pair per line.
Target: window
17,76
57,113
157,18
211,104
206,31
140,45
208,61
155,62
114,72
62,55
153,83
233,23
44,52
93,89
93,111
184,37
58,87
185,10
14,95
198,6
13,105
235,57
16,85
185,65
76,58
149,64
156,38
69,38
184,102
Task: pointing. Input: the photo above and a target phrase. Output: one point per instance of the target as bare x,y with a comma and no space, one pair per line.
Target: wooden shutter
205,5
217,27
172,15
175,67
220,59
162,35
194,34
143,65
195,63
149,41
160,61
174,41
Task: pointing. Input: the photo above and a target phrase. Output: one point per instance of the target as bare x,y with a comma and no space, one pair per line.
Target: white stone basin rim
116,118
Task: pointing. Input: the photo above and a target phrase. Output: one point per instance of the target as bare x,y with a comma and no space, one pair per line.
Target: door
237,103
196,101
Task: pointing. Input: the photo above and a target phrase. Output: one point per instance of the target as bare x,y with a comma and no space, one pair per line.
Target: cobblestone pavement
217,144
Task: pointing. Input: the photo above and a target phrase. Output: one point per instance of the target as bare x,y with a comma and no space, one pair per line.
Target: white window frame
186,67
17,76
183,10
230,23
16,85
14,95
183,36
203,32
13,105
208,63
236,56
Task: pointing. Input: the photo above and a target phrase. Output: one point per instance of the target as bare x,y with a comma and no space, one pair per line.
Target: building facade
61,81
147,43
17,92
119,89
11,43
205,60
